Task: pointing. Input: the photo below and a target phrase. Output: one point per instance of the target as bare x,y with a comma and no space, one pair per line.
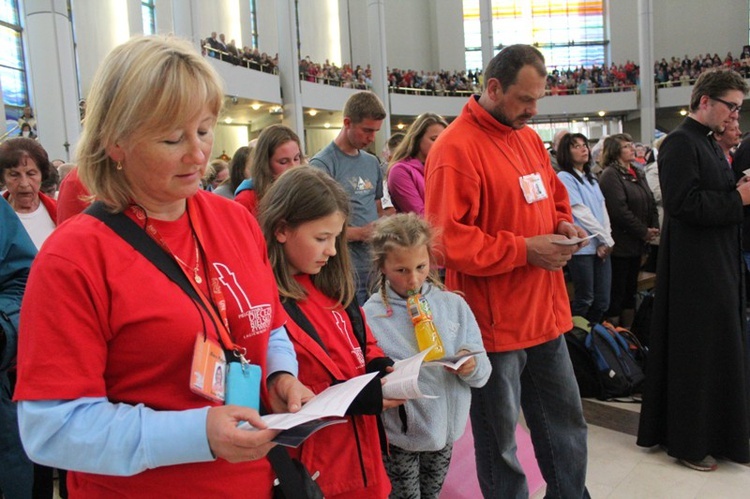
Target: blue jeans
16,470
592,280
540,380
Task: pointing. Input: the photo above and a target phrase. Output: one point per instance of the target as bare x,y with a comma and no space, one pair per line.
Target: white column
135,17
291,88
376,37
485,20
246,40
99,27
646,52
164,13
52,72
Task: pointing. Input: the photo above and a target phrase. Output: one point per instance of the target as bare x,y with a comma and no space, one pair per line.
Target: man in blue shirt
359,174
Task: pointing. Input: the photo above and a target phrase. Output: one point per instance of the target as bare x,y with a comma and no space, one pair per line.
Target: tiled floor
617,468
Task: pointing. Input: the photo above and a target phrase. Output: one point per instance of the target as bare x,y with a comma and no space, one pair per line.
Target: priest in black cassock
696,401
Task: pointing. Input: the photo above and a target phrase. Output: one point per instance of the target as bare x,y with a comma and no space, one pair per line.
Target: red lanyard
218,304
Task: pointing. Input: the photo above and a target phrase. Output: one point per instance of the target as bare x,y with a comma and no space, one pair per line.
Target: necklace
196,270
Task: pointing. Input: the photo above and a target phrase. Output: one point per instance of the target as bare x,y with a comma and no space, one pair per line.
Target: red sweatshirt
473,193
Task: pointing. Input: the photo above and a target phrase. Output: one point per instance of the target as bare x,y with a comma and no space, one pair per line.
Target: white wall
99,28
447,27
320,30
694,27
623,24
222,16
229,138
689,27
268,30
409,42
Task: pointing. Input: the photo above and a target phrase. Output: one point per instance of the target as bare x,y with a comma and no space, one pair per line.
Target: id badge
533,188
208,372
243,385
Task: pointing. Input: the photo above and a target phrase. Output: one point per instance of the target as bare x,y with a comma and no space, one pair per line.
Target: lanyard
218,304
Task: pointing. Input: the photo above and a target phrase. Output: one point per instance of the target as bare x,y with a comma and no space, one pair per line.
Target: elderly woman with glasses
635,223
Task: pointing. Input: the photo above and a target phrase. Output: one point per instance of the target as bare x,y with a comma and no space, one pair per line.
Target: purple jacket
406,185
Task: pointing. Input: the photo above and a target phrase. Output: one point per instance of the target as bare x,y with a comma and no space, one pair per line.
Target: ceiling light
227,120
255,106
326,125
312,112
585,118
400,126
601,113
683,112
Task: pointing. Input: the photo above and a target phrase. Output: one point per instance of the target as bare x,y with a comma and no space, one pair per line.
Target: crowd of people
560,81
193,296
682,72
252,58
330,74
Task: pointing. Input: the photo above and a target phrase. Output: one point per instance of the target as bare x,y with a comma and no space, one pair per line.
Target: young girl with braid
422,433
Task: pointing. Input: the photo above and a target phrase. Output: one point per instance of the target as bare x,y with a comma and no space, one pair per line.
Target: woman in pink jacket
406,170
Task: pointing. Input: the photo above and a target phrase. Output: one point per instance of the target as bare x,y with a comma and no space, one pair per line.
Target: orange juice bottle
424,328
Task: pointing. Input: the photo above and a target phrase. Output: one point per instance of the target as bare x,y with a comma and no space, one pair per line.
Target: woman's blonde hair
409,146
403,230
147,86
304,194
270,139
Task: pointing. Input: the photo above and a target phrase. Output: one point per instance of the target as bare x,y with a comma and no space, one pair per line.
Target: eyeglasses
730,105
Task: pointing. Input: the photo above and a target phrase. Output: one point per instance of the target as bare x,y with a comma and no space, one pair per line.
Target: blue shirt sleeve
94,435
573,187
280,354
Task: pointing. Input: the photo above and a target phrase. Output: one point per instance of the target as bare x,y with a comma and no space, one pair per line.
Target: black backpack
584,366
618,372
607,361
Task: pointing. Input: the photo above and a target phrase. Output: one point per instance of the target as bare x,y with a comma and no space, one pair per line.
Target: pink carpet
462,483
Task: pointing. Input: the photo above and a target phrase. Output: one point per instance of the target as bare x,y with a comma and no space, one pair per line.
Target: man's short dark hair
715,83
364,106
505,66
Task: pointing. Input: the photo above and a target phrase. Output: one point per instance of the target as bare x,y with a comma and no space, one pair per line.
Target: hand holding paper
331,402
573,240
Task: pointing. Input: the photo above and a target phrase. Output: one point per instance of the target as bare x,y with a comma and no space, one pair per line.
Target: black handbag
294,481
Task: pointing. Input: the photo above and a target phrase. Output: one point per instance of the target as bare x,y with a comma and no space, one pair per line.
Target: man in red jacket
507,228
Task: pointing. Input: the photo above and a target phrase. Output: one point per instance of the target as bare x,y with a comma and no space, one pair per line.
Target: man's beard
503,118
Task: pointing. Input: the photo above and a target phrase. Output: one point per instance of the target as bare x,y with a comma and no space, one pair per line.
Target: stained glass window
12,64
568,32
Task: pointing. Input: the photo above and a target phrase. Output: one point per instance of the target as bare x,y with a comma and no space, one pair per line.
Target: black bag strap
122,225
353,311
358,324
299,318
289,477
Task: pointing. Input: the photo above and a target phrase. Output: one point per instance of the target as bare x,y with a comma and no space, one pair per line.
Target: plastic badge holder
243,385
